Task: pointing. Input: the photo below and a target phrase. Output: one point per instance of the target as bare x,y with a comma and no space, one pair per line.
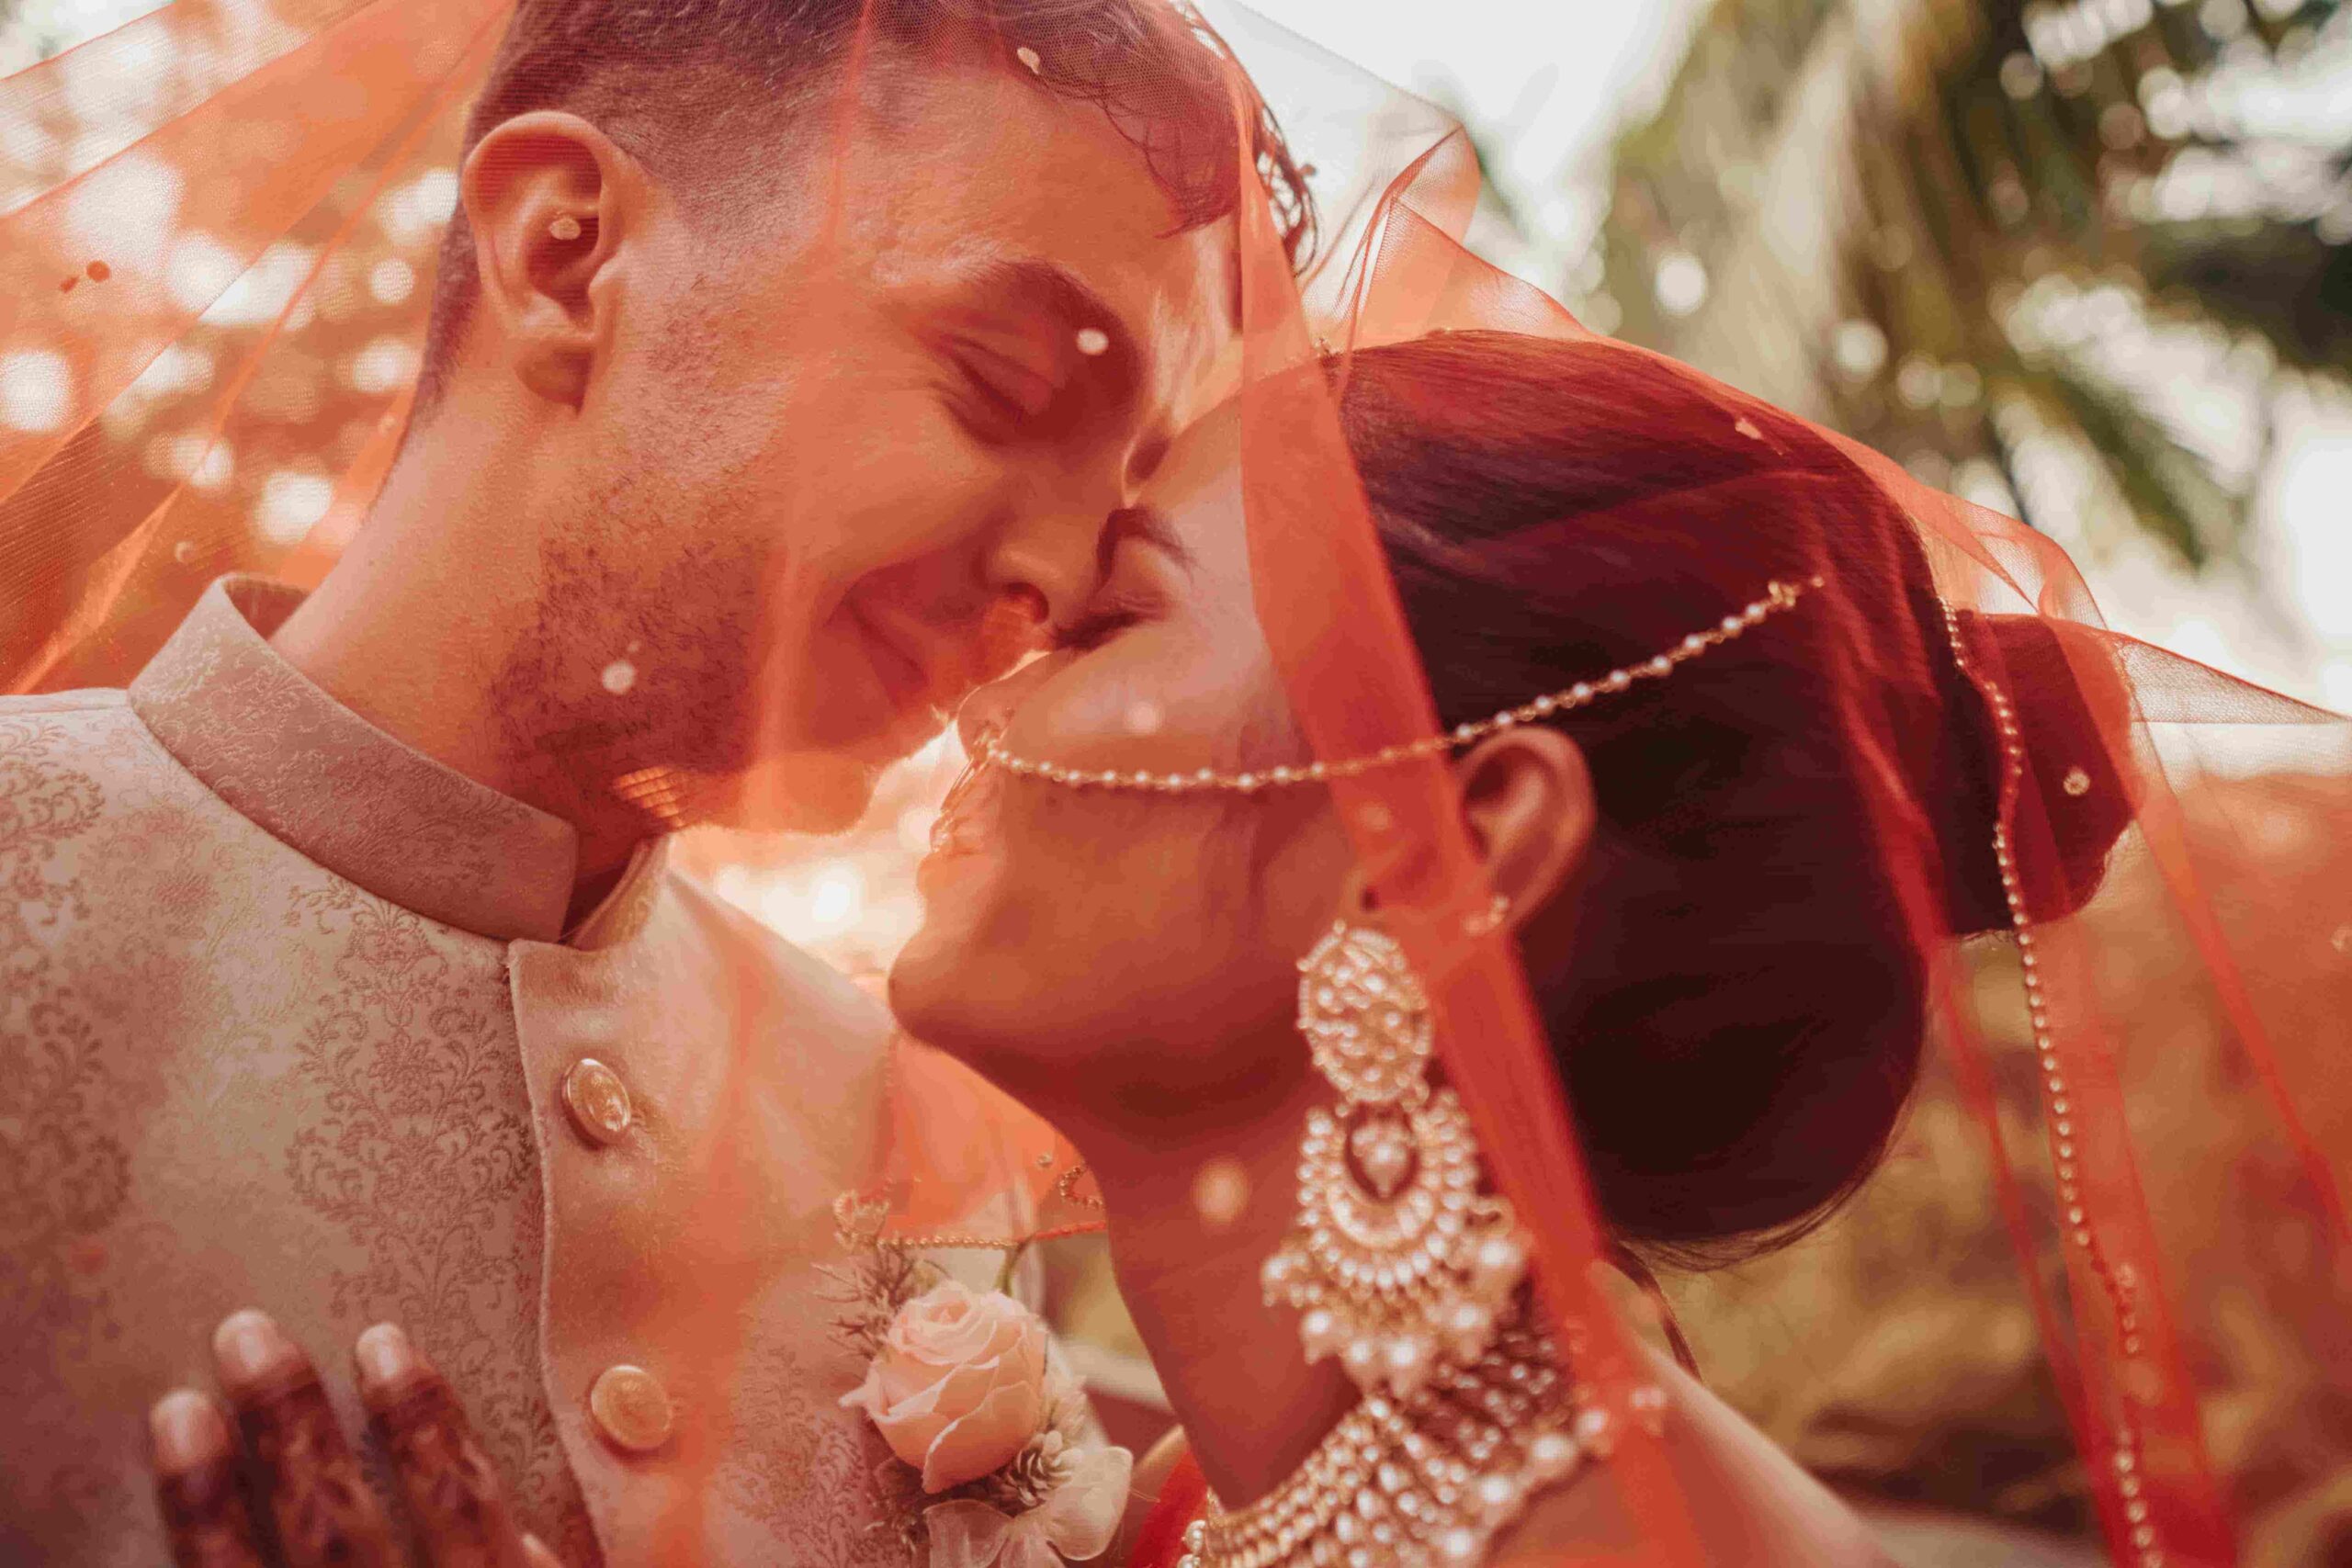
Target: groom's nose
1050,559
1046,565
1055,546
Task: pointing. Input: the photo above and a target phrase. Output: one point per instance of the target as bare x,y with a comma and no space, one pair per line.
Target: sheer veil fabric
187,198
2120,1302
232,278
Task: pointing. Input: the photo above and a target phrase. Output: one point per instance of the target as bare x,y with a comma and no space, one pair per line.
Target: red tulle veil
214,304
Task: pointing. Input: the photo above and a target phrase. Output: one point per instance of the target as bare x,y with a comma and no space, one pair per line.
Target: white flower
959,1385
1075,1523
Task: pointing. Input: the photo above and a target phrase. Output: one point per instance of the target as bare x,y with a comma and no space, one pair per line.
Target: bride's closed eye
1109,612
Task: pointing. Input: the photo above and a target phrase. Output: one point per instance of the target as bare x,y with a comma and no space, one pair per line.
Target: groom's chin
803,793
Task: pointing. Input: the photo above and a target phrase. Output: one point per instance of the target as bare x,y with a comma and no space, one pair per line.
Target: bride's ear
1527,800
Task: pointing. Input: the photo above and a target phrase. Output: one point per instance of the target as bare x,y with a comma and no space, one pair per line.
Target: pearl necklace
1427,1481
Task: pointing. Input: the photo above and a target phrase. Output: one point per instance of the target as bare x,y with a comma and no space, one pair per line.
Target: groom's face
858,459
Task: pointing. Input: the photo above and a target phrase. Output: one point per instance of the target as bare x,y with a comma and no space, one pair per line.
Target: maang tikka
1398,1263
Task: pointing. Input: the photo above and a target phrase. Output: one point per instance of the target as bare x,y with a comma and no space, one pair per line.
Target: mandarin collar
371,809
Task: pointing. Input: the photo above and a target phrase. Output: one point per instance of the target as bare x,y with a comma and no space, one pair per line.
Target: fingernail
187,1431
249,1347
385,1357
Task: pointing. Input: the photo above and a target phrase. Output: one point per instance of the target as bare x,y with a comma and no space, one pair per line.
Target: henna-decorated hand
312,1505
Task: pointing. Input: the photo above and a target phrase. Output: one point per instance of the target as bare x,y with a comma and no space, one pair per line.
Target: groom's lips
922,679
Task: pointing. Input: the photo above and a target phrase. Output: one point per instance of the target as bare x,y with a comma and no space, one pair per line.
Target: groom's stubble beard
632,687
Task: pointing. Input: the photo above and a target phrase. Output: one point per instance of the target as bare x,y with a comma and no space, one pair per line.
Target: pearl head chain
1778,596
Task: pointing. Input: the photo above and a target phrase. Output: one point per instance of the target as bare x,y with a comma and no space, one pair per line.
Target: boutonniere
993,1465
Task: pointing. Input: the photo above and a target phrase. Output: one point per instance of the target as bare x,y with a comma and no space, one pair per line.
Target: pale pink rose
959,1385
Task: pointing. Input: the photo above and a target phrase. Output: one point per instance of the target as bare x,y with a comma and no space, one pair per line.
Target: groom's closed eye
1040,356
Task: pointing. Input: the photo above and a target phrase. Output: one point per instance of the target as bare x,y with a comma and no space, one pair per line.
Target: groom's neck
411,629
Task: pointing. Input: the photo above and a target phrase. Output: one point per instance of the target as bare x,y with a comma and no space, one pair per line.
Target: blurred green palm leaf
2188,161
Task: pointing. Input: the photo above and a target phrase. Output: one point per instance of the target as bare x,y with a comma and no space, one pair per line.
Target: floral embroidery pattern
420,1147
227,1075
63,1176
801,1462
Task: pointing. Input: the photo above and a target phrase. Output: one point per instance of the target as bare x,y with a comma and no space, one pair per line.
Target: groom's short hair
681,83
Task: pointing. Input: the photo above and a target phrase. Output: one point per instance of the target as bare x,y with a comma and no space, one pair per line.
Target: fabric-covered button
597,1100
630,1407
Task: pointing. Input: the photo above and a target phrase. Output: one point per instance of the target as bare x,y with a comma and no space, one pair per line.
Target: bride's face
1137,932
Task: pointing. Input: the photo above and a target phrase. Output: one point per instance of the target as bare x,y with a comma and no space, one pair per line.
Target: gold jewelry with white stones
1778,596
1425,1481
1398,1263
1414,1278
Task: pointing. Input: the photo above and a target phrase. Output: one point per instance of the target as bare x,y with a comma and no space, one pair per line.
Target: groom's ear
1527,800
552,202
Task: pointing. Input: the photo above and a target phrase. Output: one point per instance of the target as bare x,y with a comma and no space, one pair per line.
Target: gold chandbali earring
1412,1276
1399,1265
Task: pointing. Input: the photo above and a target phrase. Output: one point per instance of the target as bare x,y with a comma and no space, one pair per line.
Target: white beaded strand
1778,596
2118,1281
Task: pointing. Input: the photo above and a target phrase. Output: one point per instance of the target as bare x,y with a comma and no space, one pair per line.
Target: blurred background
2089,264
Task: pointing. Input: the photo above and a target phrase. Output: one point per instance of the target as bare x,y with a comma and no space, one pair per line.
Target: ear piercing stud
565,228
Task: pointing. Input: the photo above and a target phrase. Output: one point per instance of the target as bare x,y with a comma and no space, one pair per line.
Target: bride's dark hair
1738,1018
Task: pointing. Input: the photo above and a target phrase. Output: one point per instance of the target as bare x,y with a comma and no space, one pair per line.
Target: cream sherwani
289,1019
